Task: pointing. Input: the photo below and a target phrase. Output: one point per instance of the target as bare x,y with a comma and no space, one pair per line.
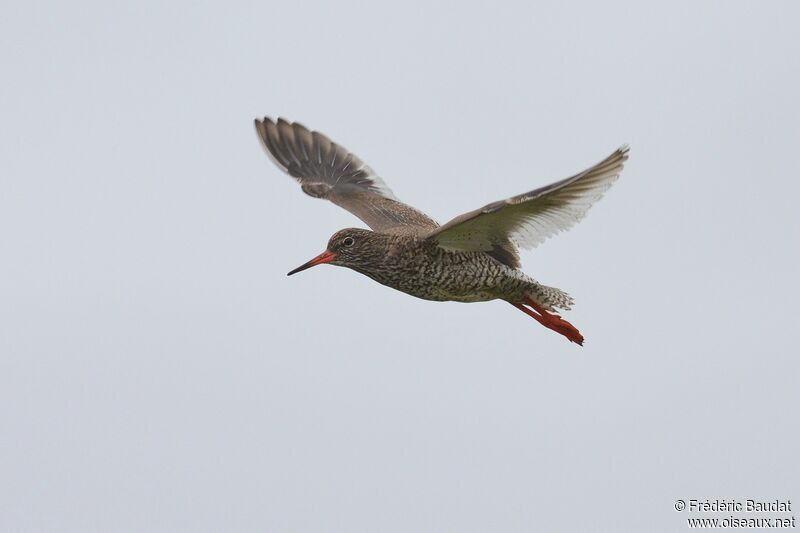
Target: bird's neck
385,257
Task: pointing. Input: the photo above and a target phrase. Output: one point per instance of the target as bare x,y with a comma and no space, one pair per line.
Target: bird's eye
348,241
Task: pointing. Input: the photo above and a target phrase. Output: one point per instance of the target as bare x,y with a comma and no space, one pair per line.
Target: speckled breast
429,272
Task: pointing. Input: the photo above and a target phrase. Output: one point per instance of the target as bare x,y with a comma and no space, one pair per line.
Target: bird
472,258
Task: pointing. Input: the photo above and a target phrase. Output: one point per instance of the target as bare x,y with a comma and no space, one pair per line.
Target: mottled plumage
472,258
421,268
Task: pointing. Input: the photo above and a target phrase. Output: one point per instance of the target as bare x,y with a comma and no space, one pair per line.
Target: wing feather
326,170
528,219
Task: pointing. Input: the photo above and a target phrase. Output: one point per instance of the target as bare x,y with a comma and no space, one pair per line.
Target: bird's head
348,247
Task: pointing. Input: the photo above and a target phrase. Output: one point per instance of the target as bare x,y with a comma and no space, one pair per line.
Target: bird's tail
549,298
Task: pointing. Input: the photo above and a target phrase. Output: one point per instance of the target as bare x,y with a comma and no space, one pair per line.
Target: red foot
550,320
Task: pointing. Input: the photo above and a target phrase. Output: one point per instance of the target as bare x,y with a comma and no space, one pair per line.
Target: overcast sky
159,372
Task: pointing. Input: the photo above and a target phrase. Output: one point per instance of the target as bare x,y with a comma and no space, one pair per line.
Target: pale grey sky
160,373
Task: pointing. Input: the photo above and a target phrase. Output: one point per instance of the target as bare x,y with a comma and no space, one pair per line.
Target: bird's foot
550,320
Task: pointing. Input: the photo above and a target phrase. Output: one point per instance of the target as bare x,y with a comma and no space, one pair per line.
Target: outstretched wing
327,170
530,218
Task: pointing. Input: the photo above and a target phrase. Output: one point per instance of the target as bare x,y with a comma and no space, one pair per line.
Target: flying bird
472,258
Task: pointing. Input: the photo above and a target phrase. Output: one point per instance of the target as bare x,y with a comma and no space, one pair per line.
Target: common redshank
472,258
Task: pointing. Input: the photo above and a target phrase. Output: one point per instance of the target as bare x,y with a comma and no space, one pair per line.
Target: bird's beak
324,257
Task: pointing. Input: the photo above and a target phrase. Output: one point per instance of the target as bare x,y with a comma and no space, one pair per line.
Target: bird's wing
327,170
530,218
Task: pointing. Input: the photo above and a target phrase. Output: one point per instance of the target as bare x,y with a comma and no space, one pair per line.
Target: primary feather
529,218
327,170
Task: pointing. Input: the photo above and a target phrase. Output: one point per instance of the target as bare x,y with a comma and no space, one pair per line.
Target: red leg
550,320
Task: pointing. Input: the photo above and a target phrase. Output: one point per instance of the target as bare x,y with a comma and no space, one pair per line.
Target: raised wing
327,170
530,218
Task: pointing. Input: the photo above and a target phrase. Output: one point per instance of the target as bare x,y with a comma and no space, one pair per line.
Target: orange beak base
324,257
